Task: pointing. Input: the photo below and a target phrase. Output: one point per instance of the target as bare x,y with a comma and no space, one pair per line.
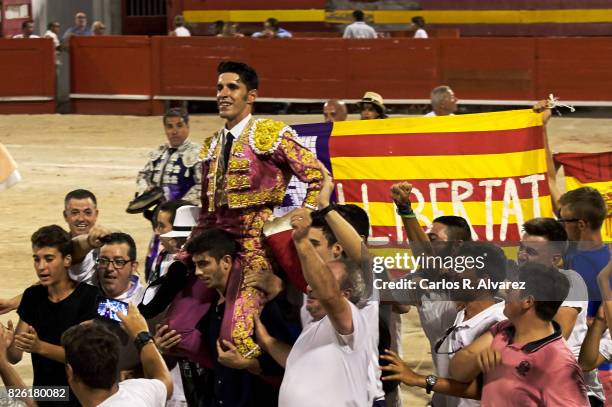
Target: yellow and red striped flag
489,168
590,170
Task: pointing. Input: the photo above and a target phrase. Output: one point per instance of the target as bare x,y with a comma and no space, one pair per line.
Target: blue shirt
588,263
85,31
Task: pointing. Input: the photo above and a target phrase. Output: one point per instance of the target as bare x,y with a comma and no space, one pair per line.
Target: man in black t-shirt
49,308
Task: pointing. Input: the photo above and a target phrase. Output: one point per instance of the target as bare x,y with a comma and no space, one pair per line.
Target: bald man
334,110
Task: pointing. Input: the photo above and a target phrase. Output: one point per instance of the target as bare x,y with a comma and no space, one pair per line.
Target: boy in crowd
49,308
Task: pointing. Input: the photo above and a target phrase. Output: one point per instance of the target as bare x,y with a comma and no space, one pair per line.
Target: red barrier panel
298,68
28,76
123,74
111,75
489,68
401,68
575,68
301,69
187,66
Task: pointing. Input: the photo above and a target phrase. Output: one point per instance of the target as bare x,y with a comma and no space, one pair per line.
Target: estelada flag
489,168
590,170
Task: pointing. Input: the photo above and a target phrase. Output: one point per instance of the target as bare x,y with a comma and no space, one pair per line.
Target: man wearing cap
372,107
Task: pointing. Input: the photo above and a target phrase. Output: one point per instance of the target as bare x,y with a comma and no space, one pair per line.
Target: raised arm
590,357
321,279
419,241
543,107
352,243
83,244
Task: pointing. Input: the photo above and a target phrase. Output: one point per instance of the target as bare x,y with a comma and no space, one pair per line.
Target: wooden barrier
137,75
28,76
111,75
487,68
575,68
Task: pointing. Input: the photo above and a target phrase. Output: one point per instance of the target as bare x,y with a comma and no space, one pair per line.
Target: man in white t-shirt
545,242
179,27
92,357
359,29
329,363
53,30
27,30
443,102
418,24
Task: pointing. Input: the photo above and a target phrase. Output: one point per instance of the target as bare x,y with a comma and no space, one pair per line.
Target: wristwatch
430,382
142,339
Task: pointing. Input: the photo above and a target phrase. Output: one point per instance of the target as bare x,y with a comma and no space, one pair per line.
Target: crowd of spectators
332,342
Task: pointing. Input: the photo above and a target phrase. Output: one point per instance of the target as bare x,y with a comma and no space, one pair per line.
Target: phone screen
108,308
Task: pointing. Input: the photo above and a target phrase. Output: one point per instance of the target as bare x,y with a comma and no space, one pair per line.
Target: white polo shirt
325,368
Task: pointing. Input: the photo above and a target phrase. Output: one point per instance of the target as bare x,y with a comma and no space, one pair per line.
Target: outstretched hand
398,370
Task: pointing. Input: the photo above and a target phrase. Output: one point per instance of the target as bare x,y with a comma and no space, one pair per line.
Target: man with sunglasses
582,213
